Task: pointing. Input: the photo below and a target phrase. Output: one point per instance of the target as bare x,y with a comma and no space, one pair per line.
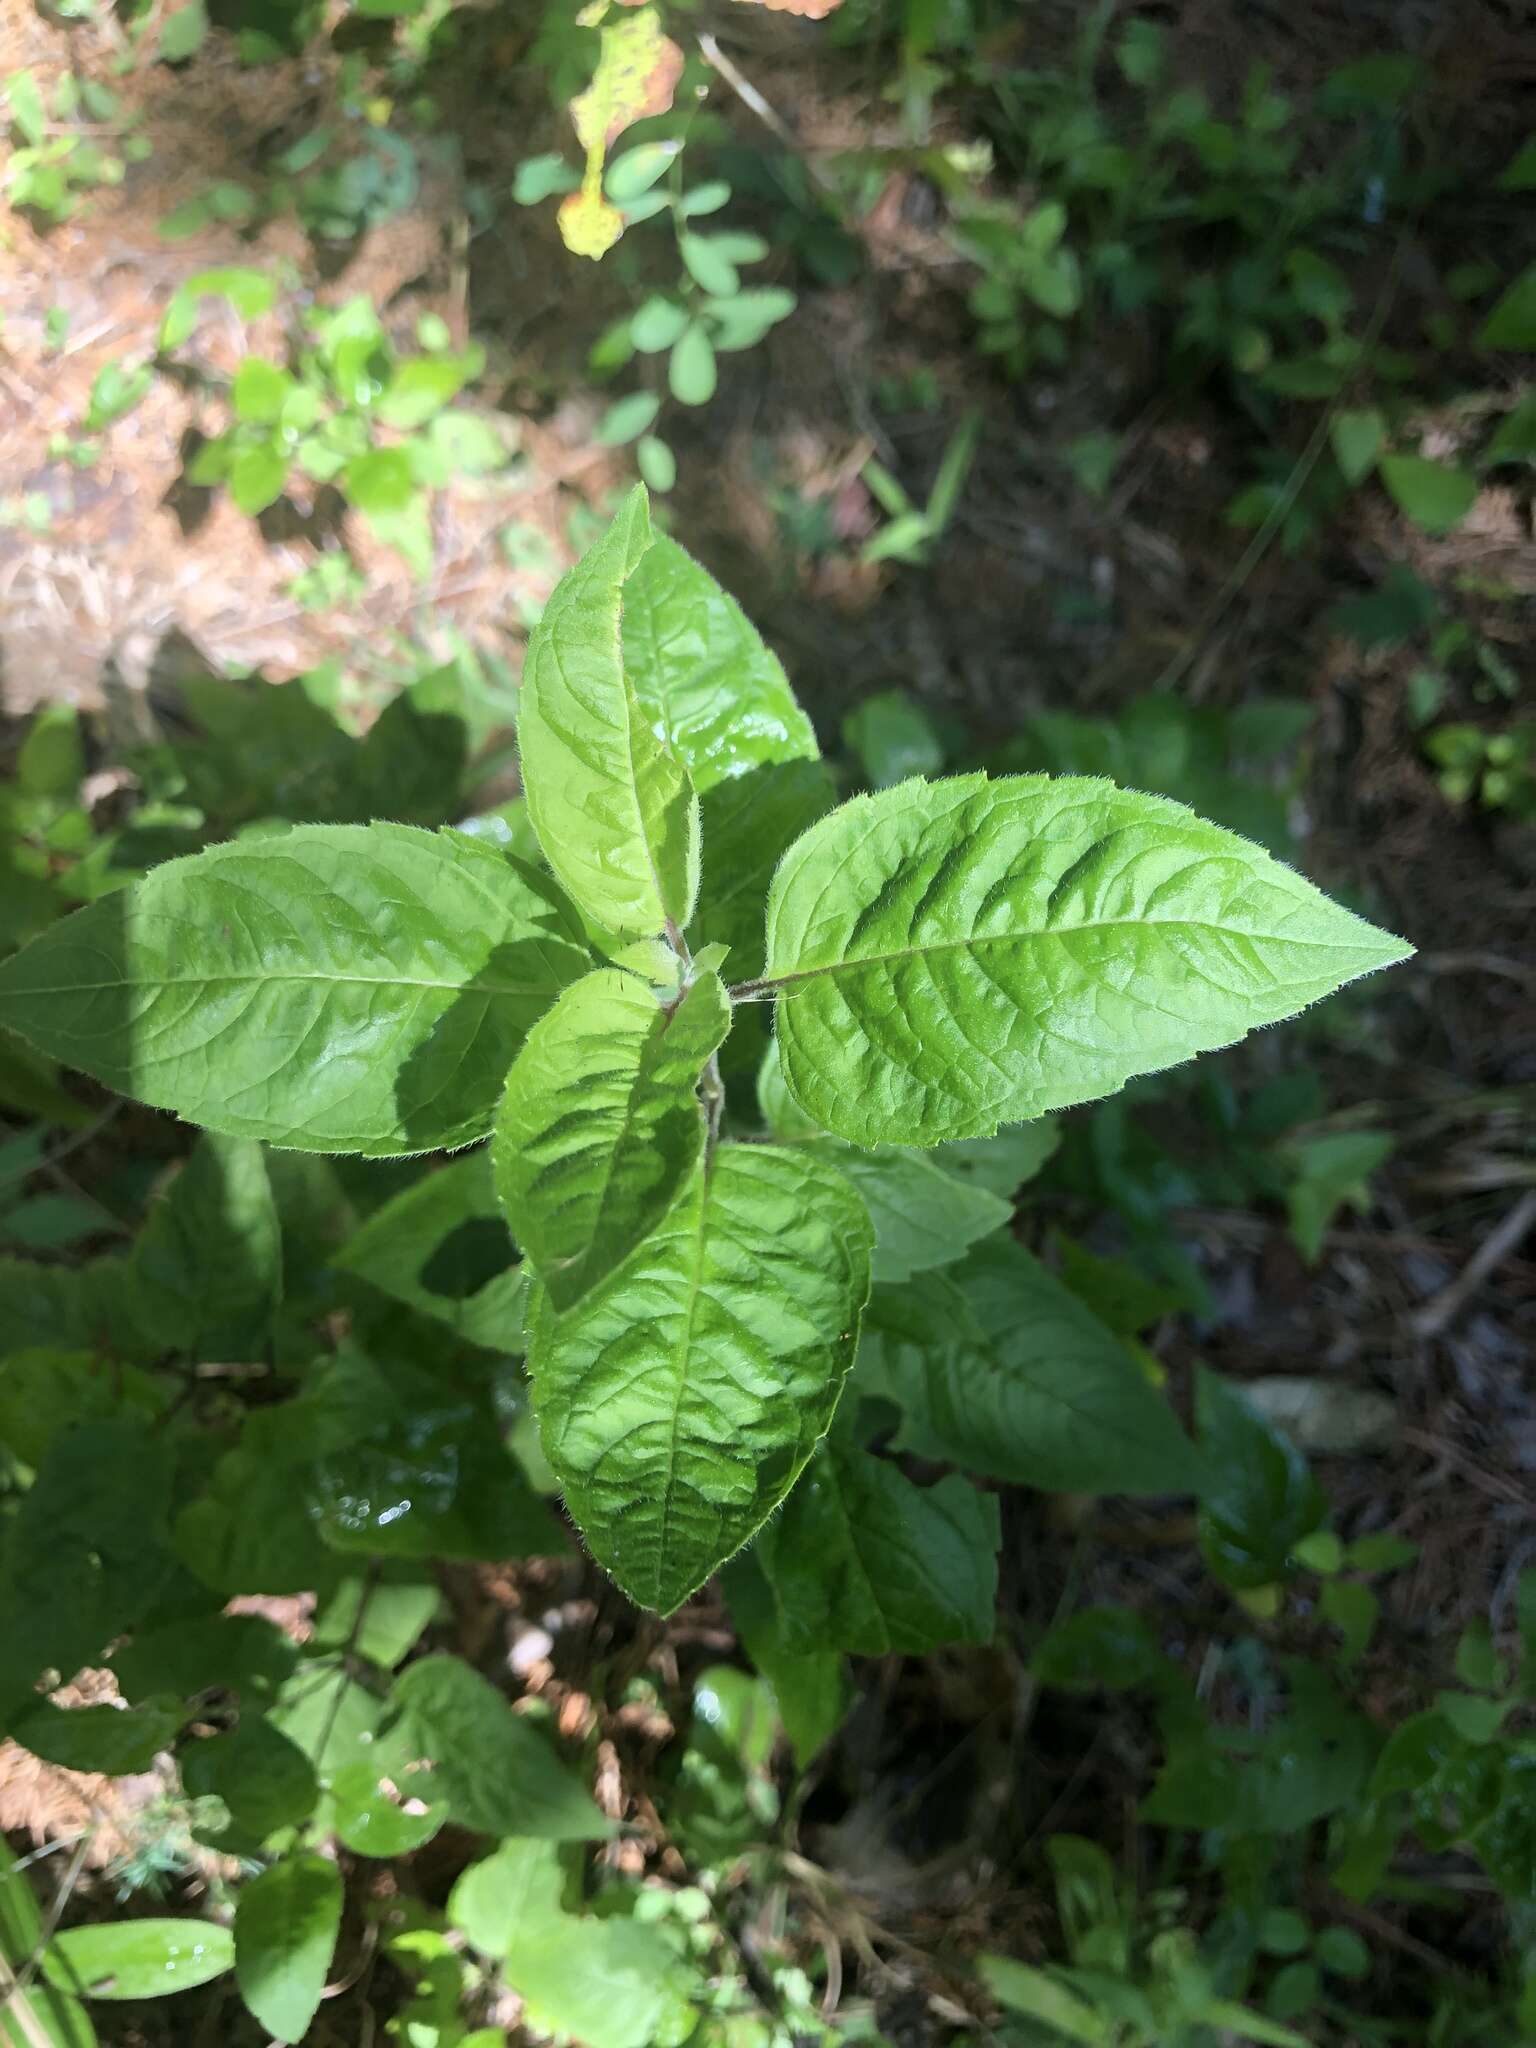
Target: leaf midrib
1021,937
470,987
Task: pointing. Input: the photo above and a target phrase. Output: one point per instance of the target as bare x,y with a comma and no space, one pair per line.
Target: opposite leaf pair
945,957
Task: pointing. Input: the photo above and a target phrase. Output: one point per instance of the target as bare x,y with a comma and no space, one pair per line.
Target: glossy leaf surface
679,1402
601,1123
1001,1368
707,682
334,989
955,955
286,1923
614,810
863,1560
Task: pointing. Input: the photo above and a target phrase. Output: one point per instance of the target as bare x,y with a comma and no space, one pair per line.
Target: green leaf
260,391
442,1248
601,1123
541,177
681,1400
614,811
116,1741
706,681
923,1216
742,320
656,462
627,419
708,264
637,170
138,1958
1038,1996
1001,1368
43,2016
691,371
862,1560
250,292
496,1773
657,325
208,1265
893,739
380,481
256,477
955,955
1357,438
748,821
605,1981
396,1460
515,1890
87,1554
52,757
116,391
335,989
376,1814
610,1983
1325,1174
240,1653
1512,323
1260,1498
24,104
810,1688
262,1776
421,388
184,33
1435,496
45,1391
286,1924
1111,1649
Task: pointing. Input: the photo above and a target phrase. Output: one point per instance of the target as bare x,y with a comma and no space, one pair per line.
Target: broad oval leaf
286,1923
338,988
679,1403
138,1958
601,1123
923,1216
703,674
442,1247
494,1771
208,1264
614,810
863,1560
954,955
1001,1368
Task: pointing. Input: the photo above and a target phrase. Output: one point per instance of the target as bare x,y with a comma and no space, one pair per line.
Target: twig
16,2009
752,99
45,1160
1495,1248
54,1915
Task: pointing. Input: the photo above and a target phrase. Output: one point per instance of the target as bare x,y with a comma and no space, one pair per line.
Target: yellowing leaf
637,72
589,226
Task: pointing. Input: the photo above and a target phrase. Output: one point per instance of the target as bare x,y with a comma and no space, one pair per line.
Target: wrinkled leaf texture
955,955
339,988
680,1401
601,1123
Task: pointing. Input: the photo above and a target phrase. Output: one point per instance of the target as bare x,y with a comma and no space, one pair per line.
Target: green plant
608,1162
53,166
330,1002
1496,769
349,410
914,530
